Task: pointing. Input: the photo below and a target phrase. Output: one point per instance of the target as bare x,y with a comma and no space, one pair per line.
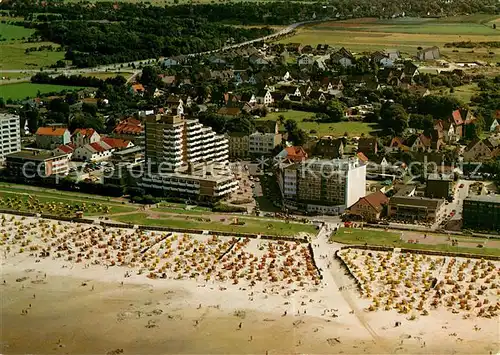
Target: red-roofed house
137,89
66,149
93,152
117,143
52,137
294,154
362,157
370,207
82,136
129,126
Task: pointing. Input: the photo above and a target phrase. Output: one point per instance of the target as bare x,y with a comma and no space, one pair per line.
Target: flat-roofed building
36,164
439,186
10,135
323,186
414,208
482,212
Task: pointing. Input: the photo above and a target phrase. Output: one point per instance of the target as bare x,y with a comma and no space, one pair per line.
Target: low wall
19,213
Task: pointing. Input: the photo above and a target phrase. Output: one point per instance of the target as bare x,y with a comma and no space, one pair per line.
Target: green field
463,93
383,238
21,91
12,32
254,226
406,34
13,54
57,202
324,129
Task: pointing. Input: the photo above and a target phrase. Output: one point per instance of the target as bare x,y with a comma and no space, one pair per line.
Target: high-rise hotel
186,159
10,135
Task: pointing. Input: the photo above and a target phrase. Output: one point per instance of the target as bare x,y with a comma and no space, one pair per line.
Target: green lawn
253,226
324,129
13,32
67,198
13,55
383,238
10,76
464,92
57,205
20,91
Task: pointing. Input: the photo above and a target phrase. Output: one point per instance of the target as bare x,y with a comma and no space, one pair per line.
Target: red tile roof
67,148
129,126
51,131
295,153
137,87
457,117
86,132
97,147
116,142
376,200
362,157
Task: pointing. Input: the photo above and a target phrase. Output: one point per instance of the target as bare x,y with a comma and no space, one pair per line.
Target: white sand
319,318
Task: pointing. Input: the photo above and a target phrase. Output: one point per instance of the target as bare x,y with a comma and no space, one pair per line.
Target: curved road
117,66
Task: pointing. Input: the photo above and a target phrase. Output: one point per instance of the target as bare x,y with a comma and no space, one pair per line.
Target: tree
149,76
335,111
290,126
298,137
394,118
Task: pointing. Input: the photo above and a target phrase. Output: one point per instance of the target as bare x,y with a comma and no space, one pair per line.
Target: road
124,66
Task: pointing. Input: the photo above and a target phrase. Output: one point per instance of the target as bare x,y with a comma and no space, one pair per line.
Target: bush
222,207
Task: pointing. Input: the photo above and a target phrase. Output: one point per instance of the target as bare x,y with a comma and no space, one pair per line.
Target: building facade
323,186
413,208
263,143
439,186
482,212
10,135
36,164
52,137
185,158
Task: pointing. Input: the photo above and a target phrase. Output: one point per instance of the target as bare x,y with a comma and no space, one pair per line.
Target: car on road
461,185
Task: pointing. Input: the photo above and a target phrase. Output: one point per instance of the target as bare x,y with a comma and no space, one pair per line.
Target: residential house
382,59
322,48
239,145
371,207
419,143
294,47
278,96
67,149
431,53
343,57
52,137
257,60
287,77
82,136
482,150
437,139
368,146
168,80
291,91
457,124
129,127
419,91
93,152
318,96
305,60
495,126
264,97
329,147
293,154
249,98
117,143
396,145
175,105
229,111
137,89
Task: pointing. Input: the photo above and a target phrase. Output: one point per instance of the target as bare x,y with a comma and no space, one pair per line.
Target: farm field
324,129
13,49
392,239
20,91
406,35
463,93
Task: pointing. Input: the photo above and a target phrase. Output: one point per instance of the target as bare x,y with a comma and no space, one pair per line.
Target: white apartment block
187,158
263,143
10,135
324,186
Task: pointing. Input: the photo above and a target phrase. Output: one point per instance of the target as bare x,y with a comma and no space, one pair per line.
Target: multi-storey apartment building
323,186
263,143
10,135
482,212
36,164
52,137
186,158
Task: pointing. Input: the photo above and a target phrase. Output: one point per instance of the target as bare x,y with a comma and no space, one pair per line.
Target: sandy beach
55,305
